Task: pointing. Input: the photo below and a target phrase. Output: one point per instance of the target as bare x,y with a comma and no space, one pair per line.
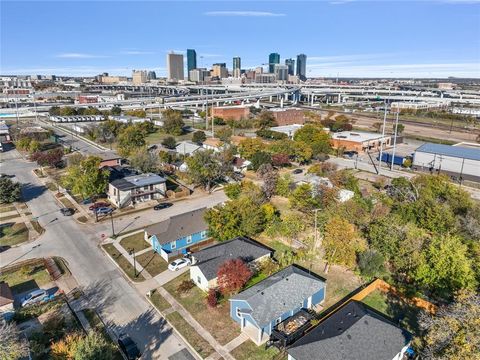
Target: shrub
185,286
212,298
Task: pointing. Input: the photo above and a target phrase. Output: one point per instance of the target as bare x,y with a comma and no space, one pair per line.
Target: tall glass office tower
273,59
191,61
302,67
237,65
291,66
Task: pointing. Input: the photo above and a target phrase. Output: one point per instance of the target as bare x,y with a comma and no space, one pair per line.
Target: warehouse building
360,142
457,161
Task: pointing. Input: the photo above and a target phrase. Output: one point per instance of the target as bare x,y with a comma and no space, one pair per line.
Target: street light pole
113,228
381,140
132,253
394,141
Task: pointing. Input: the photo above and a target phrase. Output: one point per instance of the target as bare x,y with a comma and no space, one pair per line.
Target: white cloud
243,13
79,56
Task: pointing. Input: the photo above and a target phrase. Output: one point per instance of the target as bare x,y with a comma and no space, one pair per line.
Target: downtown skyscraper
174,67
291,66
273,59
191,61
302,67
237,66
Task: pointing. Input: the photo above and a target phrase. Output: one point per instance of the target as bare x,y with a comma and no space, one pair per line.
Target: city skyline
340,38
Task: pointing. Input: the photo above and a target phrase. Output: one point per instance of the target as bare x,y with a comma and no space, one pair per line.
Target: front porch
255,334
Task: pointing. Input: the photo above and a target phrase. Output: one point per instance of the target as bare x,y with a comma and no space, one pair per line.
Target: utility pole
315,211
132,253
383,136
113,229
394,141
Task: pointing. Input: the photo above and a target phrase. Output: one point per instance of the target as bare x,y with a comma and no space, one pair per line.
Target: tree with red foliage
212,298
232,276
280,160
48,158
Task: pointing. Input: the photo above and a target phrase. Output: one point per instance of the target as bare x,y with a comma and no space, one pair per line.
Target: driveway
117,300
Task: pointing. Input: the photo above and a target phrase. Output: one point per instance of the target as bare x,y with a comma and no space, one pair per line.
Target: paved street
117,301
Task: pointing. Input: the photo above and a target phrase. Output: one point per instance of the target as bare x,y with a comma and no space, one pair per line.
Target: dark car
103,210
128,347
67,211
297,171
98,205
162,206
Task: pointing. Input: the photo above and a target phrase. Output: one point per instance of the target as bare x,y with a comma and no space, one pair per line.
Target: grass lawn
83,219
249,351
13,235
255,279
159,301
36,225
7,208
67,203
135,241
216,321
189,333
51,186
157,137
122,262
9,217
152,262
26,278
92,318
395,308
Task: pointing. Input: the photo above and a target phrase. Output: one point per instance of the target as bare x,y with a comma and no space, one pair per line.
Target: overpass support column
312,99
339,98
271,98
281,102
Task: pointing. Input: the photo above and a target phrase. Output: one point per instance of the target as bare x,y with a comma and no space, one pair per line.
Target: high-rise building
219,70
281,72
191,61
273,59
139,76
302,67
291,66
174,67
151,75
198,75
237,66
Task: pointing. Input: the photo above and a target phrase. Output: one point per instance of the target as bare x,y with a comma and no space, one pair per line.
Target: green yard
152,262
6,208
189,333
159,301
67,203
135,241
122,262
250,351
217,321
394,308
13,235
28,277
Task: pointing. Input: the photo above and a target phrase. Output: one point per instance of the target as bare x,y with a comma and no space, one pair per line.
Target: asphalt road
117,301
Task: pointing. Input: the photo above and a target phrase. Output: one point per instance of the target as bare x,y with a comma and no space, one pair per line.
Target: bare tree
12,344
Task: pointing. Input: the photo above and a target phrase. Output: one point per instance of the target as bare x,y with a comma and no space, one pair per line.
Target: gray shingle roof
449,150
134,181
354,332
210,259
283,291
178,226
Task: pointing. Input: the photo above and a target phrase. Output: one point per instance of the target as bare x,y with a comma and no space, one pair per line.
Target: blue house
178,234
260,308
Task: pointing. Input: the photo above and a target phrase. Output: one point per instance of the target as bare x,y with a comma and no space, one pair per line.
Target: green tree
266,119
400,128
260,158
205,168
302,198
199,137
453,333
249,147
129,139
173,122
169,142
12,344
94,346
445,266
9,191
342,242
144,160
224,134
116,110
315,137
233,191
86,179
371,264
284,185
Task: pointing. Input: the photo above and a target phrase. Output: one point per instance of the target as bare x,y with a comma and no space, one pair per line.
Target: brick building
359,142
288,116
237,112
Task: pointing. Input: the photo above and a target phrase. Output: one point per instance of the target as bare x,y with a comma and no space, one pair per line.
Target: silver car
34,297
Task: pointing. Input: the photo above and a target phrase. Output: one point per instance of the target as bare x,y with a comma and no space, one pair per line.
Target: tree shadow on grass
404,314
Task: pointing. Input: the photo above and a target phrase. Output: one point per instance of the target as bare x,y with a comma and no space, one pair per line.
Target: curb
176,331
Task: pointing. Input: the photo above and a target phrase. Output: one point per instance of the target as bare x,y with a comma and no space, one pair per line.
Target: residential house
214,144
136,188
6,301
240,165
178,234
186,148
206,262
260,308
109,159
4,132
353,332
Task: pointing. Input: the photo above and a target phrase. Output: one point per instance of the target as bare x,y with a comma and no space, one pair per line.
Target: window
114,191
173,244
199,280
145,187
189,239
203,234
238,312
278,321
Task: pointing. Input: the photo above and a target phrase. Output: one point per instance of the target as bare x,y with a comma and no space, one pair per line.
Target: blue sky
436,38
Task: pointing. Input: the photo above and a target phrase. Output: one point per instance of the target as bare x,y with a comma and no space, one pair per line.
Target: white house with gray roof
136,188
206,262
261,307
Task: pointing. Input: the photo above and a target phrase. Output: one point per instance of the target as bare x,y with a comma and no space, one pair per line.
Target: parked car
34,297
178,264
103,210
128,347
67,211
98,205
162,206
6,176
297,171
